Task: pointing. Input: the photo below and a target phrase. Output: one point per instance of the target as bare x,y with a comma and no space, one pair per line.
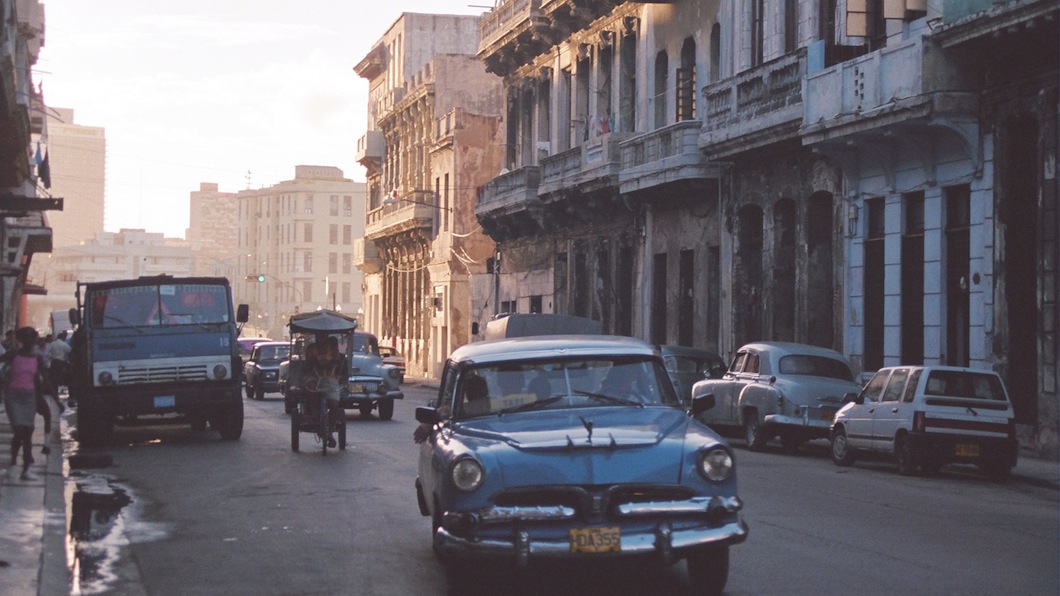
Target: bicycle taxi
321,344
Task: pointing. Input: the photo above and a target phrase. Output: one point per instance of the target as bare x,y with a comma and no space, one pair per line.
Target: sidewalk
33,516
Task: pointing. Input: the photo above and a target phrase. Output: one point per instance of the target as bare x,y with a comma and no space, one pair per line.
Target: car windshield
274,352
510,388
815,366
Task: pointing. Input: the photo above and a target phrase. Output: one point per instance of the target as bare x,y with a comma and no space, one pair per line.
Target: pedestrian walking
59,353
24,383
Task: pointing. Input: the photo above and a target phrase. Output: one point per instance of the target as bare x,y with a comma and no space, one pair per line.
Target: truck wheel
386,409
93,428
229,421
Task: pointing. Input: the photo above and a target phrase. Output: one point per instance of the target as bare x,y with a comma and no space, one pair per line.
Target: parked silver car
780,389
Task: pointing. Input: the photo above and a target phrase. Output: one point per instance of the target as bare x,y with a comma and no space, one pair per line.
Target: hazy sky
206,90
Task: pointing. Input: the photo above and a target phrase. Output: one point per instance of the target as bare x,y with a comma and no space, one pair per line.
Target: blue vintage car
574,447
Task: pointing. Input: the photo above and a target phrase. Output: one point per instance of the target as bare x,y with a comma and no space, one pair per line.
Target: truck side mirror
242,313
75,317
474,328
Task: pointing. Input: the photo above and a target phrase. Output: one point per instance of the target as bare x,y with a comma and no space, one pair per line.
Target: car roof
550,346
933,367
787,347
253,340
265,344
688,352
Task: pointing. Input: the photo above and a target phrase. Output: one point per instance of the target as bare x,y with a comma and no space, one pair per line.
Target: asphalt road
196,515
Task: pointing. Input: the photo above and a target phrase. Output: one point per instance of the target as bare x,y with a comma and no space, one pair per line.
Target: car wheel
288,405
905,456
386,409
752,431
259,393
296,424
708,570
842,454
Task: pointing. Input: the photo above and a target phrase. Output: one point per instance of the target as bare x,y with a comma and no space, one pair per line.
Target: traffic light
261,278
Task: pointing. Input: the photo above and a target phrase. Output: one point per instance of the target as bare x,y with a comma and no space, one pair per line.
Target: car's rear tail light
919,423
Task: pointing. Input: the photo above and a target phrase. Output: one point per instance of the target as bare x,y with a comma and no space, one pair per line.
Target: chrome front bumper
663,540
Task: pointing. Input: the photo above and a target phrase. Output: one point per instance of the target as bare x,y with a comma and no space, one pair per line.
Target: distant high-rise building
213,231
77,156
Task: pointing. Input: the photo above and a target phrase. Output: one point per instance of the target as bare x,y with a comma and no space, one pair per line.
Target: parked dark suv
261,372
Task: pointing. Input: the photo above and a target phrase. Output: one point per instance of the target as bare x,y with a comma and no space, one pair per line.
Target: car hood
627,445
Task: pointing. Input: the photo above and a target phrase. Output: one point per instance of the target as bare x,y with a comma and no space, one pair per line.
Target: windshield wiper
610,398
533,405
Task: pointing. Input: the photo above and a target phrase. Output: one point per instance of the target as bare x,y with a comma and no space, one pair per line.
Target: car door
886,416
858,418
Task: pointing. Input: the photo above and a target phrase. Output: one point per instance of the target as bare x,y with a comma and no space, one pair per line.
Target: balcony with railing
882,88
591,166
399,218
669,154
370,147
757,107
366,256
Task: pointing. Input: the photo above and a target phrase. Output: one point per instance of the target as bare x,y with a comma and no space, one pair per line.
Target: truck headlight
715,465
394,373
106,378
220,371
467,474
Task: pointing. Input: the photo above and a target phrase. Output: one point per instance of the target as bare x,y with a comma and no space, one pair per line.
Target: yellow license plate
595,540
355,388
967,450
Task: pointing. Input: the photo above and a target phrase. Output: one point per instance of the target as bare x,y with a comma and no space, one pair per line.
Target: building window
333,262
347,205
347,234
662,65
307,234
309,205
686,82
307,264
334,205
333,234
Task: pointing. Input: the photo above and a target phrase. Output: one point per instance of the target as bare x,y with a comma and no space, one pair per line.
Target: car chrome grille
594,503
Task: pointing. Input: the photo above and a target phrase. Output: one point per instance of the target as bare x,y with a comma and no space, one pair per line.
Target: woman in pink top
20,394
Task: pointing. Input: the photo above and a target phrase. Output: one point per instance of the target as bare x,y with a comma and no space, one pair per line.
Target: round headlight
105,378
220,372
394,373
467,474
716,465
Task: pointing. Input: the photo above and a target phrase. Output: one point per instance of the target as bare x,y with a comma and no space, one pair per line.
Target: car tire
386,409
905,456
708,570
752,431
296,423
842,454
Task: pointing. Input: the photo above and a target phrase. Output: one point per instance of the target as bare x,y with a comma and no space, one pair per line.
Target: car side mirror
427,415
702,403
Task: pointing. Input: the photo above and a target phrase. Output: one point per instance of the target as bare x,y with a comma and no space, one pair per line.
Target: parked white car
928,416
780,389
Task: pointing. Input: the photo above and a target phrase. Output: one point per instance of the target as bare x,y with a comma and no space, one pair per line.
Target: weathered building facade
433,140
876,177
24,182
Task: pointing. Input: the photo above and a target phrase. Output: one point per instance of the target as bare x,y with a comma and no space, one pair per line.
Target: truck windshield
157,305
